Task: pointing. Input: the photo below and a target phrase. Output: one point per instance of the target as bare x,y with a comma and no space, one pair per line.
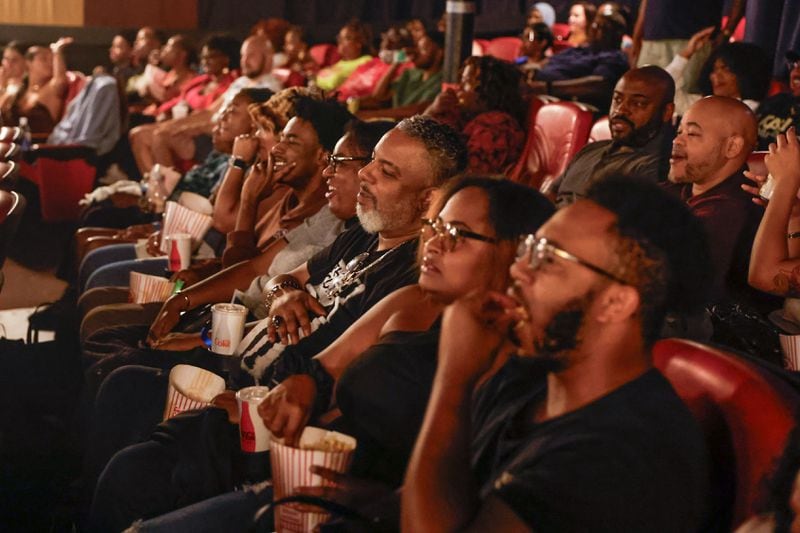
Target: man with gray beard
364,264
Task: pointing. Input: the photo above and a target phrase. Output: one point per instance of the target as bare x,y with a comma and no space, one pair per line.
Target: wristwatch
238,162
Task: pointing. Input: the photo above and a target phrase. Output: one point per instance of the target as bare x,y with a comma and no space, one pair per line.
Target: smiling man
576,431
641,110
709,154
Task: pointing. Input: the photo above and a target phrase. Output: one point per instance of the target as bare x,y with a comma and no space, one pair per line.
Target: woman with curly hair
354,47
486,108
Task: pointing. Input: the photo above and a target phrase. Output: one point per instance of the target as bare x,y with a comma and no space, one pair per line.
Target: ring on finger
277,320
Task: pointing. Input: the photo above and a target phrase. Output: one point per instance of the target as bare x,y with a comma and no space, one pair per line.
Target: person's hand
344,489
783,159
758,180
188,275
58,46
167,318
154,244
261,180
227,400
177,342
288,316
286,408
245,147
473,330
697,41
444,103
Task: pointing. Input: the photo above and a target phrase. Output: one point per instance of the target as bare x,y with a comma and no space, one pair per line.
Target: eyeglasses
450,235
335,160
792,64
541,251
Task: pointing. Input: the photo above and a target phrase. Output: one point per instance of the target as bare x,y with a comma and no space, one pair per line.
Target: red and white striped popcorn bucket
790,344
190,388
145,288
179,219
290,469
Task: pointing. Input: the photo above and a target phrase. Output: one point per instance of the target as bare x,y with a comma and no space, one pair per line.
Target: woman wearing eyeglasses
383,366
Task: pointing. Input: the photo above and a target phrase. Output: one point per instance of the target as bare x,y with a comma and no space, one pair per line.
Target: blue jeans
111,266
233,511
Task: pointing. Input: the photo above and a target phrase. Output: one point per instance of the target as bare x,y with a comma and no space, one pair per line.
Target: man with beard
639,118
574,430
182,461
175,139
709,153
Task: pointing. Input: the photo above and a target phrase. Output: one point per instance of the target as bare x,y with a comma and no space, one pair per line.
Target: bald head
256,56
714,139
656,77
729,116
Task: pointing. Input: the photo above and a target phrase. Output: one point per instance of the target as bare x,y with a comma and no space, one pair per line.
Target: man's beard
561,335
399,215
639,137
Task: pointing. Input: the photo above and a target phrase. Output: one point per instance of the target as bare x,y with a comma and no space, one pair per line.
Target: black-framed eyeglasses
540,251
449,234
335,160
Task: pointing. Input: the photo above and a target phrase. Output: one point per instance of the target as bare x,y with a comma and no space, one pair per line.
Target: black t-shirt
679,19
775,115
383,395
375,274
633,460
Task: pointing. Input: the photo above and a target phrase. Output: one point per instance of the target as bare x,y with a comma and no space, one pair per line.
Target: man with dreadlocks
486,109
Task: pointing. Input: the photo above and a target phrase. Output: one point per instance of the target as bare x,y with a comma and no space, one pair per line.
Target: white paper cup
253,434
790,344
190,388
227,327
180,251
145,288
290,469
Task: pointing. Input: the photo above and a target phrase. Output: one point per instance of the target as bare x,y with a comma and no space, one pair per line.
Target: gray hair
446,151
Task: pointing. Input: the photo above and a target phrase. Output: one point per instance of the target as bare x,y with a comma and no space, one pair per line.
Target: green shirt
410,88
331,77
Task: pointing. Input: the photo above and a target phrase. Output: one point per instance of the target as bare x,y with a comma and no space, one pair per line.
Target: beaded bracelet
273,292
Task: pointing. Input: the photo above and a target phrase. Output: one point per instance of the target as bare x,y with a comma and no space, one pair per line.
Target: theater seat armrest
60,152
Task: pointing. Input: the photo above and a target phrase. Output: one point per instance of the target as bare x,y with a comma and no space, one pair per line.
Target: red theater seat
506,48
745,413
600,130
559,130
324,54
12,205
289,78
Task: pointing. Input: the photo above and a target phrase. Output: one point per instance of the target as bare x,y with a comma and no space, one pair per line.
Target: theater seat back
505,48
600,130
745,414
755,163
12,205
324,54
558,131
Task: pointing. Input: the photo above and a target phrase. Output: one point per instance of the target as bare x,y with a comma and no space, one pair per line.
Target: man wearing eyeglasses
778,112
575,431
639,118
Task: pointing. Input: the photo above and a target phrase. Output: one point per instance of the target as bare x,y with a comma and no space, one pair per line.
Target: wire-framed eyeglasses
449,234
540,251
335,160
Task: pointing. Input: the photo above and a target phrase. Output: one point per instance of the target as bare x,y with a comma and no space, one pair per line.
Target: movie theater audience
494,358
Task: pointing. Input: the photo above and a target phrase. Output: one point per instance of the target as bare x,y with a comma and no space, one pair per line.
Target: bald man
709,154
175,139
639,118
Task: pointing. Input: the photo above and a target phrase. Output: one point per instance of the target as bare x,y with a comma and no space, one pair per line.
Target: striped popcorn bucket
178,219
290,469
790,344
190,388
145,288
